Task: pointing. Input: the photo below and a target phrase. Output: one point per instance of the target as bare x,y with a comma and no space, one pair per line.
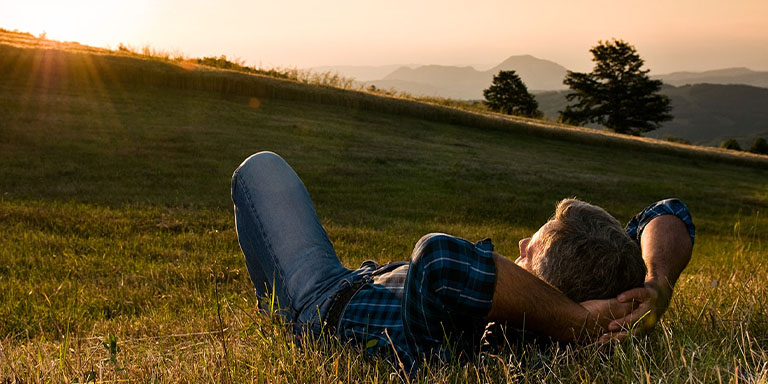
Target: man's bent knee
257,161
265,170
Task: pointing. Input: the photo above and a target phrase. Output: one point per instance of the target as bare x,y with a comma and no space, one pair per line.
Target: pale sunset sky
670,35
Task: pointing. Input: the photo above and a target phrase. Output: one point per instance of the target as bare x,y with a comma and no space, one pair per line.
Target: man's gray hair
587,254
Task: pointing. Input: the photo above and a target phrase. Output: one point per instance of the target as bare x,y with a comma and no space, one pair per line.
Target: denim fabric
285,246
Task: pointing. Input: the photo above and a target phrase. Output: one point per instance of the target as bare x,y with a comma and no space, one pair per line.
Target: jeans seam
267,243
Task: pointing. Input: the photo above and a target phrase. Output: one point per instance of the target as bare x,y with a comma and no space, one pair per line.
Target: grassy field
119,261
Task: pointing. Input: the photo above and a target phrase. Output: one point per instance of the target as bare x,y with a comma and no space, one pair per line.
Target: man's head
584,252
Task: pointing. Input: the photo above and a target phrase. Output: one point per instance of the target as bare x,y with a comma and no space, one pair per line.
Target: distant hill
361,72
538,74
411,87
467,82
703,113
720,76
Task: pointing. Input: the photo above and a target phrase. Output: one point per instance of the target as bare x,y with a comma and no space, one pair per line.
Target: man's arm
666,244
524,300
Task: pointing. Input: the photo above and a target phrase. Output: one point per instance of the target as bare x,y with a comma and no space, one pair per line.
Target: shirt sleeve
447,294
636,226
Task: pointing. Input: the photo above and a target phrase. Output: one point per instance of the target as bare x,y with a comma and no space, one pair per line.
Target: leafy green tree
759,146
508,94
731,144
617,94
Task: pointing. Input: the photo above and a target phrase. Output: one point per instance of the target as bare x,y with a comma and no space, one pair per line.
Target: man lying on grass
564,284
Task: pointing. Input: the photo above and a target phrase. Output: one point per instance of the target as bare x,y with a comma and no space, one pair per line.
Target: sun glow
92,22
671,36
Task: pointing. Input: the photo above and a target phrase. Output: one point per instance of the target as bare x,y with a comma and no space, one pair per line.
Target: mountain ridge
466,82
361,72
539,75
733,75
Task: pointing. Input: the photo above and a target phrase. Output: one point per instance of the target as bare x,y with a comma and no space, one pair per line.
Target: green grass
115,219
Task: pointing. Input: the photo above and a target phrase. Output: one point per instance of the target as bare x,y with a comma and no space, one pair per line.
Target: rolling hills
467,82
704,114
744,76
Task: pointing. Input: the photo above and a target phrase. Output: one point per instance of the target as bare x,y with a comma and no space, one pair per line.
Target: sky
671,35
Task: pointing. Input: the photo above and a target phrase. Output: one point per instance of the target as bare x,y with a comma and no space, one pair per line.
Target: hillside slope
56,68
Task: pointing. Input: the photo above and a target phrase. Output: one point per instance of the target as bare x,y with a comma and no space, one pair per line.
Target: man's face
530,248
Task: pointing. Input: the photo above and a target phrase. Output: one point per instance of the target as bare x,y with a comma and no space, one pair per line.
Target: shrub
731,144
759,146
124,48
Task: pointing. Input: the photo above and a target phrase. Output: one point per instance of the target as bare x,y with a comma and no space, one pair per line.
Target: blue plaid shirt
410,309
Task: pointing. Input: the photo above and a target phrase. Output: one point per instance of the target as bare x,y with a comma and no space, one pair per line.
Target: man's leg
285,246
447,295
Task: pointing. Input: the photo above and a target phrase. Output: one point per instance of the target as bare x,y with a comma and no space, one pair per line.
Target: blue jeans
286,249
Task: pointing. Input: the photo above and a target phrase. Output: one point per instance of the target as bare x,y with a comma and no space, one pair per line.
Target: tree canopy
617,94
731,144
508,94
760,146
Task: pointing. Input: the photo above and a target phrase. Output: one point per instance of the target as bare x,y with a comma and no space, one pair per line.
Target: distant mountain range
704,114
720,76
709,106
467,82
361,72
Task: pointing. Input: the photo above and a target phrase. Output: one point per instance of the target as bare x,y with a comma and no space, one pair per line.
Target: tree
508,94
731,144
617,94
759,146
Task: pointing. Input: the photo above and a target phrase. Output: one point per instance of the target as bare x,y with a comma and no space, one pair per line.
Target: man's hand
602,313
651,300
545,310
